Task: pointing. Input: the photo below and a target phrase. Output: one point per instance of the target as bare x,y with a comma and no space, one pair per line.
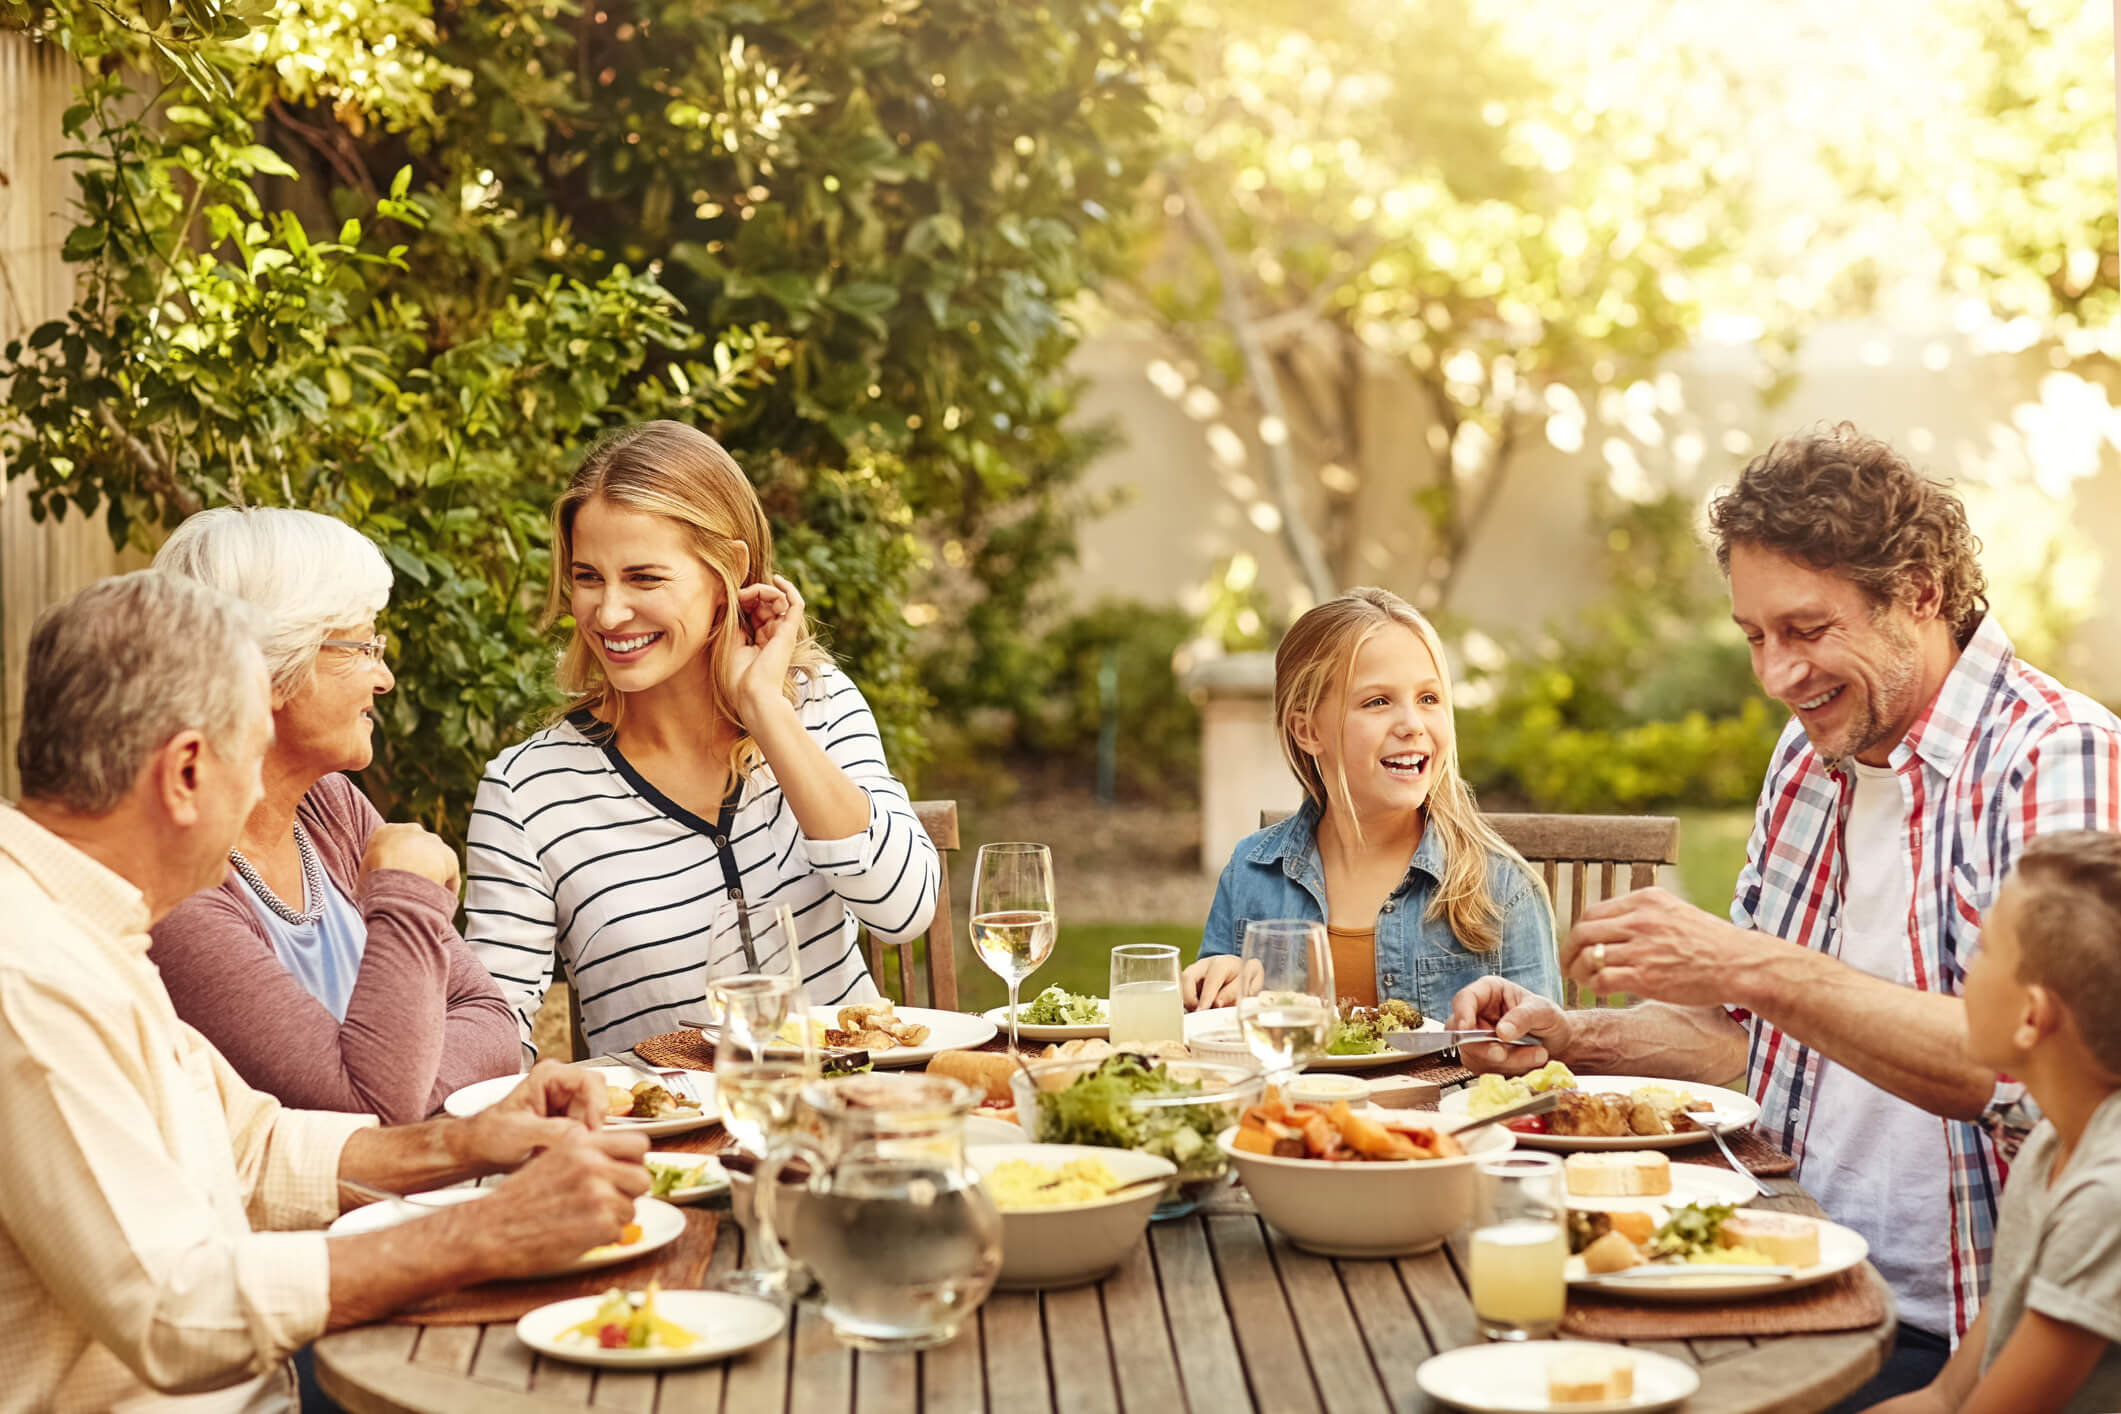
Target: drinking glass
1144,1003
757,1079
1520,1247
1012,913
1287,1011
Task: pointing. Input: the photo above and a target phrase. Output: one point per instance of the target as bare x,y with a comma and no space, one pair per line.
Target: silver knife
1429,1043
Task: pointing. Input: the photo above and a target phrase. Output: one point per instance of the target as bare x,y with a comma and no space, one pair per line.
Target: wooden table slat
1440,1299
502,1359
821,1375
560,1379
954,1377
1280,1377
1390,1328
1081,1354
1333,1341
1792,1375
447,1347
1194,1313
1140,1338
1708,1350
1013,1349
887,1384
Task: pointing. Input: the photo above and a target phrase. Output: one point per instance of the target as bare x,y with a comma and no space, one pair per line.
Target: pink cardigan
425,1017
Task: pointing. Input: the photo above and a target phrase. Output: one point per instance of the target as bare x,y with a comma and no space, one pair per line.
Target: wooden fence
39,564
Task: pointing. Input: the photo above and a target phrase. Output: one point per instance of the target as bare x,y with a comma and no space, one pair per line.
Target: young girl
713,765
1419,895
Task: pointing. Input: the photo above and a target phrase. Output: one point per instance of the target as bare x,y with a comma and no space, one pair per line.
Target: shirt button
1389,906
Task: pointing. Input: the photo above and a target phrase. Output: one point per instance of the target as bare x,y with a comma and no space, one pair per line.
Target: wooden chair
1580,844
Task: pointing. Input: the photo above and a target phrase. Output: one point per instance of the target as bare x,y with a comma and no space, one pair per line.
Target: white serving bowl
1075,1242
1387,1209
1327,1089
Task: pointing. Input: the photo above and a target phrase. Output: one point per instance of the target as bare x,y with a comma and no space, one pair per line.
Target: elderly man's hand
553,1100
1513,1013
575,1195
1652,945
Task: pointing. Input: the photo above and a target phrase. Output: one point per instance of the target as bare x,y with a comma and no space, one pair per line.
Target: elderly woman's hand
416,850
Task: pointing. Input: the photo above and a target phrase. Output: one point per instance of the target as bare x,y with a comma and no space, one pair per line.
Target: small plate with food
1707,1252
1539,1376
896,1036
1647,1181
1056,1014
684,1100
652,1329
684,1178
1607,1111
655,1224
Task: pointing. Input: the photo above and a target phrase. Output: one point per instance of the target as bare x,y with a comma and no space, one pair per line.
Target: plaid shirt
2003,753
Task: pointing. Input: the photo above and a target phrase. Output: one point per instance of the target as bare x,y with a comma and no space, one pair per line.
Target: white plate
1217,1029
1026,1031
1691,1183
1734,1110
1511,1378
710,1179
1840,1248
986,1129
660,1225
724,1321
947,1031
473,1098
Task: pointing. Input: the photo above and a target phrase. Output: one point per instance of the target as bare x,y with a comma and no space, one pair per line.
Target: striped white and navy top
571,850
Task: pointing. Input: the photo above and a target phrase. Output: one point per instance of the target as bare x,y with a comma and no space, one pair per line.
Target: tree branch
333,147
156,476
1483,506
1259,373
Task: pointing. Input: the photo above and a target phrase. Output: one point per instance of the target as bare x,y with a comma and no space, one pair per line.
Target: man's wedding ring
1598,957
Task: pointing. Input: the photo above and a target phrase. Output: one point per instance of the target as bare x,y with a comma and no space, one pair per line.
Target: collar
104,901
1295,840
1946,728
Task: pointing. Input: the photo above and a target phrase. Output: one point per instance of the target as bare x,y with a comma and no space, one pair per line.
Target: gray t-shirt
2058,1248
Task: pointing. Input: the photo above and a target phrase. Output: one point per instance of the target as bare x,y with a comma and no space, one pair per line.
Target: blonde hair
1316,658
680,473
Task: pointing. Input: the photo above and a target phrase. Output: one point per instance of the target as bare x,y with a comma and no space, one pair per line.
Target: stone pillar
1241,769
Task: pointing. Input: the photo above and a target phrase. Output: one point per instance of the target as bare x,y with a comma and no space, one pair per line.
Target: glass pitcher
895,1225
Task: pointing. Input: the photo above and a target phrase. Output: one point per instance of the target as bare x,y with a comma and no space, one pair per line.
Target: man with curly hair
1921,755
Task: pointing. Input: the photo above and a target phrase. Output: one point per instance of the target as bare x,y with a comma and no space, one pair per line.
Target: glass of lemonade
758,1077
1287,1011
1013,923
1144,1004
1520,1247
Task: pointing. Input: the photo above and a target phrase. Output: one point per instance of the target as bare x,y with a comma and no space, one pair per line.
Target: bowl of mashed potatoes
1059,1226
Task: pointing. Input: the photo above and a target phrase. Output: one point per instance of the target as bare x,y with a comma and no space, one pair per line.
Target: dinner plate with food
652,1329
681,1101
1057,1014
1647,1181
1357,1041
1706,1252
655,1224
1538,1376
893,1035
684,1178
1607,1111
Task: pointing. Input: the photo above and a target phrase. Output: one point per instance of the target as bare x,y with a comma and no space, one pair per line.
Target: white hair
307,574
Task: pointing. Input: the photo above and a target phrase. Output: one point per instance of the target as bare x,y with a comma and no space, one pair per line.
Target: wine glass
758,1076
1287,1012
1013,923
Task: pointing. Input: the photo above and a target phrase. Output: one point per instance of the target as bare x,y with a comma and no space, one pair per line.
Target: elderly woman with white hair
326,967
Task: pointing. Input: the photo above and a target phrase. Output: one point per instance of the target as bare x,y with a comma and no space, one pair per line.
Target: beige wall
2036,470
39,564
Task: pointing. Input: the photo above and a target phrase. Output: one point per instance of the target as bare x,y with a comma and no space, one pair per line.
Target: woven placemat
1851,1301
1760,1155
679,1266
680,1050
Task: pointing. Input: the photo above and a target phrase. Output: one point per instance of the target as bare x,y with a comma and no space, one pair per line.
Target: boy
2043,1004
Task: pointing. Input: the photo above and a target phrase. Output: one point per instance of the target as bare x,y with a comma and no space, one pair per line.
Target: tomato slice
612,1336
1530,1124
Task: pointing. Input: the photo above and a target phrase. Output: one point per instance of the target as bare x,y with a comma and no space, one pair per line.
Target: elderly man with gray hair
158,1213
326,966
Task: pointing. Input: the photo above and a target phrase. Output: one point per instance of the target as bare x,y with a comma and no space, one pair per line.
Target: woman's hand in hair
755,668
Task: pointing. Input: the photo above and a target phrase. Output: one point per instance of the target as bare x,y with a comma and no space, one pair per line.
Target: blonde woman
1419,895
713,765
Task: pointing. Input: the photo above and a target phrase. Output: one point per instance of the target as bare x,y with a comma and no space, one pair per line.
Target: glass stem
1015,983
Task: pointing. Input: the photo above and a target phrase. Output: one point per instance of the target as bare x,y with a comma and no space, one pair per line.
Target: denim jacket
1277,873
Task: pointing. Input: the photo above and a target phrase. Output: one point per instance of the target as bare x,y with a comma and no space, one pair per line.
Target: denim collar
1293,844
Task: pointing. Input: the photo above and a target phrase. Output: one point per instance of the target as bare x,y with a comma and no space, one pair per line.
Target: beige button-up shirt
146,1192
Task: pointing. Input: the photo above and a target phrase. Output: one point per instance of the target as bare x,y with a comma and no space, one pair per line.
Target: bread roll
1626,1175
1783,1238
985,1071
1584,1377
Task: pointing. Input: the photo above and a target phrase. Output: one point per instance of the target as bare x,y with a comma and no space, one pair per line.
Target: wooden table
1212,1313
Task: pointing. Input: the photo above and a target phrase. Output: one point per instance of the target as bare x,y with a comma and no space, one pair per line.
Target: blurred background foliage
399,260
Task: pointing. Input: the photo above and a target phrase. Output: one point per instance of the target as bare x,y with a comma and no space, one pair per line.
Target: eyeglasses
373,649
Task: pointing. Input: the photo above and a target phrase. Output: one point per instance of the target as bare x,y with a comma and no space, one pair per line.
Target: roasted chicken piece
652,1101
1591,1115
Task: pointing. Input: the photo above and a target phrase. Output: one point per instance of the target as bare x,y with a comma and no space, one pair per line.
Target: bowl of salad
1172,1109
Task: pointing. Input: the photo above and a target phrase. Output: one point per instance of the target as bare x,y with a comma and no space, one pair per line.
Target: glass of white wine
1287,1010
1144,1004
758,1076
1013,923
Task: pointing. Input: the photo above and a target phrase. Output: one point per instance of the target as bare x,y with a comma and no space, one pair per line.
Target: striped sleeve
509,915
888,874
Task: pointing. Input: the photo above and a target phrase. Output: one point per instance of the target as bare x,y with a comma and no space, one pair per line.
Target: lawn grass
1711,852
1081,961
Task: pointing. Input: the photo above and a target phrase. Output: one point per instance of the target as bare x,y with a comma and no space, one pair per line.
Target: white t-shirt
1875,1162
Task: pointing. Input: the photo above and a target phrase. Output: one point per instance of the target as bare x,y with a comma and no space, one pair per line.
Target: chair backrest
938,950
1579,845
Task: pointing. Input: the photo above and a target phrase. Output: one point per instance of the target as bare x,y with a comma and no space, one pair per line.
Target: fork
384,1195
677,1081
1716,1133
